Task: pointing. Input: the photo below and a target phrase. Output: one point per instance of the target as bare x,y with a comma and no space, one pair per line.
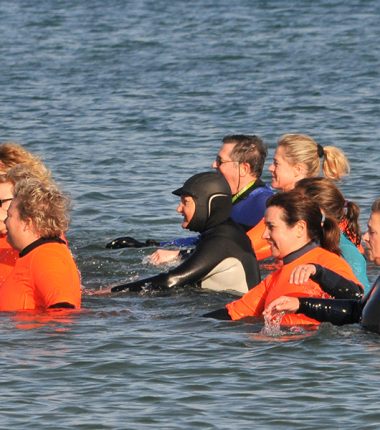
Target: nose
179,208
271,168
214,165
265,234
365,236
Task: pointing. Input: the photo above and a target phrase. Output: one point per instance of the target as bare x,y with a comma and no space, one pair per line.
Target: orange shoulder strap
259,245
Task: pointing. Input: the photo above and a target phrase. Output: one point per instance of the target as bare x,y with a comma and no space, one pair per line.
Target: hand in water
102,291
162,256
130,242
281,304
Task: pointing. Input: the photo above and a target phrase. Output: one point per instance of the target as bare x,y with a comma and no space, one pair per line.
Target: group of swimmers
302,220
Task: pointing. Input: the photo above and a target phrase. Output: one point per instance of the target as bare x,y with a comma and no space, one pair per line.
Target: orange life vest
45,276
8,258
259,245
275,285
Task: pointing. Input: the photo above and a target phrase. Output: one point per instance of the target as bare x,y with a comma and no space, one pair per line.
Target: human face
228,168
16,228
282,238
372,238
186,207
284,174
6,192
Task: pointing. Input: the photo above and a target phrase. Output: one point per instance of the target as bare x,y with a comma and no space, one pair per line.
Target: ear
299,170
244,169
301,229
28,226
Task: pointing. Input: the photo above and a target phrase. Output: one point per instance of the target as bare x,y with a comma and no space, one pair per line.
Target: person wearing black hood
223,259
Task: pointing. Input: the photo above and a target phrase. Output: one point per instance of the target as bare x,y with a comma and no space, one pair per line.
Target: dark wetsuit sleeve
335,311
201,261
336,285
184,242
219,314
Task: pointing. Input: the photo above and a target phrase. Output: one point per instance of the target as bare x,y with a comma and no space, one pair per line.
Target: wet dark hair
296,207
248,149
332,203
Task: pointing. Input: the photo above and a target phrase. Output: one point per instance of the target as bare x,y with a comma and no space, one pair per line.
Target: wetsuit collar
296,254
244,192
39,242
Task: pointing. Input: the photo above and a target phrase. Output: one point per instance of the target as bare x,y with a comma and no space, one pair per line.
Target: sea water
124,100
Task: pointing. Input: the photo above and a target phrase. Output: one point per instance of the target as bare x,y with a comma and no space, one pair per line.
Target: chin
376,260
275,253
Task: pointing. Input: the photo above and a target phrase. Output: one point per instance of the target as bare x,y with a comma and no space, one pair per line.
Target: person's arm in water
193,269
335,311
130,242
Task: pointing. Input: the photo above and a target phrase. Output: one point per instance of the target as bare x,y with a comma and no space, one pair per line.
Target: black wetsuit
223,259
365,311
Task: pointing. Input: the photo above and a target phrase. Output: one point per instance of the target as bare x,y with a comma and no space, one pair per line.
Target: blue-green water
124,100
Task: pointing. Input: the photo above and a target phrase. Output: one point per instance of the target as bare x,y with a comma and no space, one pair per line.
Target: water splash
272,325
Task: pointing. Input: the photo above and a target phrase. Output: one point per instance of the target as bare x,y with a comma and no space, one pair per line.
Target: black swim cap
212,196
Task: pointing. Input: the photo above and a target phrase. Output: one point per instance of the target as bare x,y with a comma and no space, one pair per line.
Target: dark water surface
124,100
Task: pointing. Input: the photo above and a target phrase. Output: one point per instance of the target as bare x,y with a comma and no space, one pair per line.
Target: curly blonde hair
42,202
301,148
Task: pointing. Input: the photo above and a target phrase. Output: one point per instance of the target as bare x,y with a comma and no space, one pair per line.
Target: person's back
42,277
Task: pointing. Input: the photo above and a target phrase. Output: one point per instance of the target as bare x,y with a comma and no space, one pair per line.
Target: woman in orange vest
297,233
365,311
11,155
45,274
298,156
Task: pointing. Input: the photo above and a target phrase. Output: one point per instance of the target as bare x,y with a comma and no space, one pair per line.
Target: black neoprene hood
212,196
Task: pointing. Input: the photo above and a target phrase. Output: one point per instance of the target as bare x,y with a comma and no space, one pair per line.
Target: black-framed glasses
219,161
5,200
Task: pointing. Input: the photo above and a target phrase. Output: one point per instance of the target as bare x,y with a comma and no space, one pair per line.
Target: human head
6,196
241,160
332,202
14,175
212,197
372,236
305,158
40,207
12,154
301,221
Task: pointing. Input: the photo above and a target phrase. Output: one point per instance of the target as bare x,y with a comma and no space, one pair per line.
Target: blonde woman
45,274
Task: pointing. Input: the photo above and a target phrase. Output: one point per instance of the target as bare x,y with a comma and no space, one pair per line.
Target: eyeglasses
219,161
4,200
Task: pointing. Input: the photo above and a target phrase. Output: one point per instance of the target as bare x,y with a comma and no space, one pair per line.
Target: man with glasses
241,160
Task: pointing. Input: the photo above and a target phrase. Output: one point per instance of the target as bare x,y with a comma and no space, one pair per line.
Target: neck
244,183
26,241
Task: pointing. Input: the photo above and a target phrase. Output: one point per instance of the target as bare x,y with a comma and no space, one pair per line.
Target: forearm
335,311
335,285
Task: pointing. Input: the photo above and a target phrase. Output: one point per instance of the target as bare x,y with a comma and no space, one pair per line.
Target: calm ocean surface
124,100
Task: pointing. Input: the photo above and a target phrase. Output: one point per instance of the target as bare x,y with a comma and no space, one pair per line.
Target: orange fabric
343,228
259,245
253,303
45,276
8,257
